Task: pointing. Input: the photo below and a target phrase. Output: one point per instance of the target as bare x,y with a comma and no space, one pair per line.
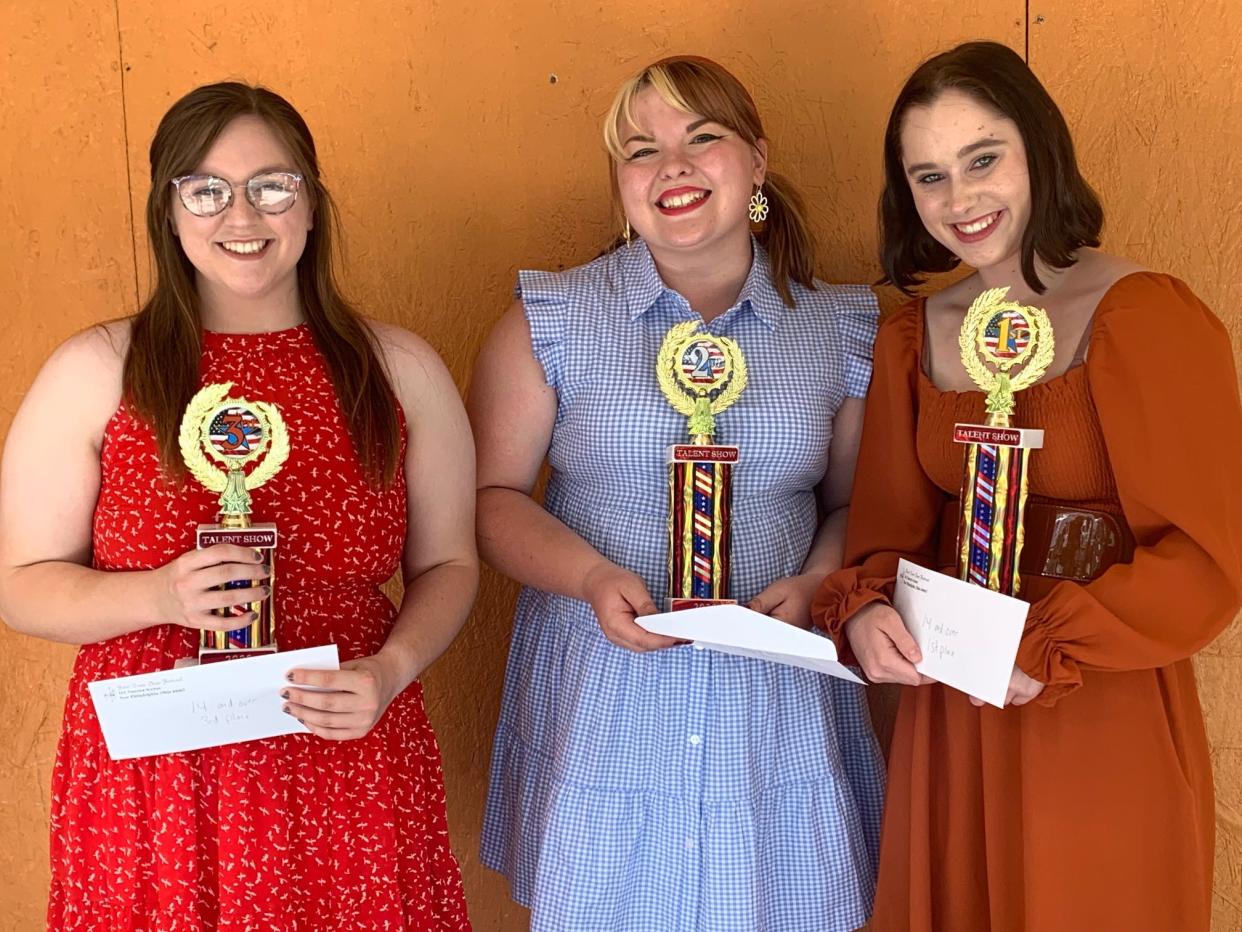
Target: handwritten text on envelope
201,707
968,635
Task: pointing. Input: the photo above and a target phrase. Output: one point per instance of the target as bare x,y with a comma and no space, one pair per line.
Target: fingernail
258,557
285,709
284,694
289,676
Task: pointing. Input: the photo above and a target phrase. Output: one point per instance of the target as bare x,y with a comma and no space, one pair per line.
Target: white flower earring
758,206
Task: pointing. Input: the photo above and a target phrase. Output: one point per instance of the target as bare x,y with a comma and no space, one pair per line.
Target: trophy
234,433
1006,347
700,375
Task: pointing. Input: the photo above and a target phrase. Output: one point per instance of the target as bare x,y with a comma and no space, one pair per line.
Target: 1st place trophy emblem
1005,348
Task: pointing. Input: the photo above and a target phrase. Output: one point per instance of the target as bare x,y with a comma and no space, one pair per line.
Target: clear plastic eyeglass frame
209,195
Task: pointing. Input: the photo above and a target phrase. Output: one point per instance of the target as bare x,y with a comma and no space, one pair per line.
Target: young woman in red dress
1085,804
340,829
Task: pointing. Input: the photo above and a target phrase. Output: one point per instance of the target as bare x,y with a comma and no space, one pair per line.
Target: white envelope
734,629
968,635
201,706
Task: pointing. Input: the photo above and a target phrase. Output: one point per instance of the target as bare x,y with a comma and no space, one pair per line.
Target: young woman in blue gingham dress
671,788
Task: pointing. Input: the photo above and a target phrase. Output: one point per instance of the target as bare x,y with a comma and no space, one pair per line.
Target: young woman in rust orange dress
1085,804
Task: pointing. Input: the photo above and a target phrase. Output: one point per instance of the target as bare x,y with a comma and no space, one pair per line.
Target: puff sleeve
1161,375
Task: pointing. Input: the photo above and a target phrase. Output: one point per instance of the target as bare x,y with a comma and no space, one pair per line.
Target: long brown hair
700,85
1065,213
162,368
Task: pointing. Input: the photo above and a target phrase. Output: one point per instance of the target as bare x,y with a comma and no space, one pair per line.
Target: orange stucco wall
461,141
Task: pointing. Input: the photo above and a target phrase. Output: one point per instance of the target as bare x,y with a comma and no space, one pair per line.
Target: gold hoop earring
758,206
626,235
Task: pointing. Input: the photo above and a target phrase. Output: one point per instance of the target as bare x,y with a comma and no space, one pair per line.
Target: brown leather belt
1059,541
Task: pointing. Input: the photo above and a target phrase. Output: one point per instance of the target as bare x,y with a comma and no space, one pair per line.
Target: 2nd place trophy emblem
701,375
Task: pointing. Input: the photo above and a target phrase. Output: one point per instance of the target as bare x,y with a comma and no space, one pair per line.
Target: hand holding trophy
234,433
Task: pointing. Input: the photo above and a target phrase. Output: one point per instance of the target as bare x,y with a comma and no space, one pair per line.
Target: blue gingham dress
683,789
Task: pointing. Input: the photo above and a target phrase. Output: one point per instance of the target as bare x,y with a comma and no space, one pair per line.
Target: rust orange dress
1090,809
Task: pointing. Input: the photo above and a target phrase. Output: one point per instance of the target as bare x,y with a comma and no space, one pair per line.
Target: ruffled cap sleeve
545,303
858,318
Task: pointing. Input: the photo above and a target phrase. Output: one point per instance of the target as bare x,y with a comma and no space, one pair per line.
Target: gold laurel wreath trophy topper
234,433
700,375
1006,347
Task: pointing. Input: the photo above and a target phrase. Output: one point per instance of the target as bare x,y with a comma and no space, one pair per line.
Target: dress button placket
694,748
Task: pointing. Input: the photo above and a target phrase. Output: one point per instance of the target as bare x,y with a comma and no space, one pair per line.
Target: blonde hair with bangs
622,110
701,86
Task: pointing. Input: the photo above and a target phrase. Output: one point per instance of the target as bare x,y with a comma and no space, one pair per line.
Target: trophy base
679,605
215,655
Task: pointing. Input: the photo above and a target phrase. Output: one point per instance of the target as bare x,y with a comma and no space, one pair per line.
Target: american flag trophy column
1005,348
700,375
234,433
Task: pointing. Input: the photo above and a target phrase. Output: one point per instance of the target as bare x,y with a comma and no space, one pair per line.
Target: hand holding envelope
967,635
194,707
886,651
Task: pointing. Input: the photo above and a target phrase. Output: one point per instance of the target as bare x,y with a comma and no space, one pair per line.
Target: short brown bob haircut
1065,212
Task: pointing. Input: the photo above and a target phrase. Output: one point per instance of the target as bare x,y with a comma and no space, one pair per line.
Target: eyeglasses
267,192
